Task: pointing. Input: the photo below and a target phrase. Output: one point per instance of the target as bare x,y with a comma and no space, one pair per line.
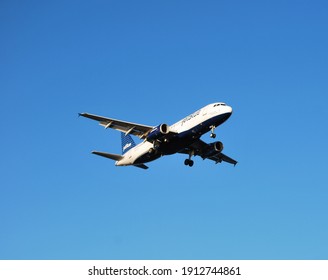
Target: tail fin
127,142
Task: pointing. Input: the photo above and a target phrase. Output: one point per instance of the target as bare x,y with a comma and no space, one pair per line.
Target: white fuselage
202,120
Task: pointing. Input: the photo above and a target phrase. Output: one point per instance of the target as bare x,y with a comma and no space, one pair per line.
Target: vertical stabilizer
127,142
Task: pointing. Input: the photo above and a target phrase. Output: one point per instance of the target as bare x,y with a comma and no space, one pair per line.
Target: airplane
182,137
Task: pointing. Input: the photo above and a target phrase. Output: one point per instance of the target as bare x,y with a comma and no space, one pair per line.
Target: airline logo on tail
126,146
127,142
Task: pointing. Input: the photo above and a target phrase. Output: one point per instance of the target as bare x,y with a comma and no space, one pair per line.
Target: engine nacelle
213,149
217,146
158,132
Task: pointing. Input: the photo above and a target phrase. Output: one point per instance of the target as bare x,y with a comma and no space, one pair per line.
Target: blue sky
155,62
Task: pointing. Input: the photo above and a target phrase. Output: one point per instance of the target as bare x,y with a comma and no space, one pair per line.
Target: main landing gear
213,135
188,161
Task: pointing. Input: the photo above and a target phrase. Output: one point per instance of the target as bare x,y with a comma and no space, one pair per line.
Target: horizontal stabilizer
107,155
141,166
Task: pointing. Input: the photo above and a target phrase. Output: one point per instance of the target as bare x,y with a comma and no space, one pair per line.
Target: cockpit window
219,104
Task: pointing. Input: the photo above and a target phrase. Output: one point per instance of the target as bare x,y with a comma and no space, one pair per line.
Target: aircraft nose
229,109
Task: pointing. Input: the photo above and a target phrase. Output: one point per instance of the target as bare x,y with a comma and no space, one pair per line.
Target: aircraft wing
138,130
202,149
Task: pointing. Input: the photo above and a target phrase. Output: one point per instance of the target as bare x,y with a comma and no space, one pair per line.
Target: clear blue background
155,62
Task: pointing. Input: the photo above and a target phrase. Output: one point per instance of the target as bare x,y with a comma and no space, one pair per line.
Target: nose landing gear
213,135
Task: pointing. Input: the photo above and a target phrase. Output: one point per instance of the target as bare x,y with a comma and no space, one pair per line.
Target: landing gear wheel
213,135
189,162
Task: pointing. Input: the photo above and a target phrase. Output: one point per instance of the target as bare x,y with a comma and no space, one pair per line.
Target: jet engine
217,146
213,149
158,132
